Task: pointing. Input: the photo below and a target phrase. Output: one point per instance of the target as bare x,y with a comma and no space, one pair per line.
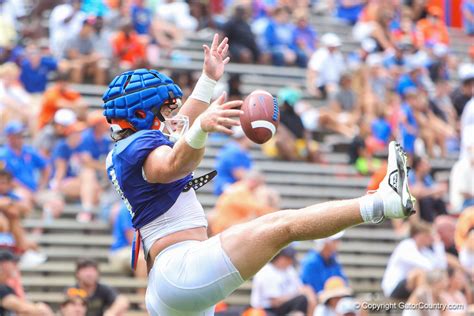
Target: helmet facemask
173,125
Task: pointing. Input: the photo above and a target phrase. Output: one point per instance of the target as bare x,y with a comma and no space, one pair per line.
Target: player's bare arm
166,164
215,59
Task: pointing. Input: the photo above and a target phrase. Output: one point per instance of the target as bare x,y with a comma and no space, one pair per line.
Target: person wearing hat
325,67
101,299
433,28
30,171
9,301
73,306
48,137
321,263
24,163
293,142
233,161
277,288
334,290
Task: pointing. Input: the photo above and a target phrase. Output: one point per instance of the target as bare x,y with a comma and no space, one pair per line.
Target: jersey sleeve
144,143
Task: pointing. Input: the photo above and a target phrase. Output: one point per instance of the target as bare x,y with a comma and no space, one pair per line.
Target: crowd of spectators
402,80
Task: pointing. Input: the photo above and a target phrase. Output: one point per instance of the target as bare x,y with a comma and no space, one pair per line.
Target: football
260,116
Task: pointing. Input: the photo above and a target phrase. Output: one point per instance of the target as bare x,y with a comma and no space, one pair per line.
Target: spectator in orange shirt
129,48
243,201
432,29
57,97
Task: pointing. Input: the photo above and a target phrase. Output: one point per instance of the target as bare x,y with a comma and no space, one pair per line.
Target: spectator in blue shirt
30,171
35,69
349,10
304,36
28,167
120,251
279,39
141,17
94,147
321,264
408,125
397,57
96,142
413,77
233,161
69,177
381,129
429,194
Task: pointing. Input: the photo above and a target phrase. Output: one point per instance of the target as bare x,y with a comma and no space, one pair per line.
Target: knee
12,213
300,303
88,176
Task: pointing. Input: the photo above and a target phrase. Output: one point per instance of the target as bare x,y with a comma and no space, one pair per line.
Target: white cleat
397,199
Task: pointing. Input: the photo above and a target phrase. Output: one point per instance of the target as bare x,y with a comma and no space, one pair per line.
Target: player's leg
251,245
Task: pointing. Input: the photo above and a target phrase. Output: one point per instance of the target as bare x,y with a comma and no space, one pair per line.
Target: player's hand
221,116
215,58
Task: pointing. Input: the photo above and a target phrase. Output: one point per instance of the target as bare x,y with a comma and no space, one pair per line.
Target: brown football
260,116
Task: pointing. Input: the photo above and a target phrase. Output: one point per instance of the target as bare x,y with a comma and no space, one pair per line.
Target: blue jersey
97,148
145,201
23,167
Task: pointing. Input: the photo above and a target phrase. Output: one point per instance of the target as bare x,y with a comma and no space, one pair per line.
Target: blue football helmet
137,96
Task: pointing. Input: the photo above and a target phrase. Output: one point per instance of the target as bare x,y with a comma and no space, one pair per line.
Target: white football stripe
264,124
